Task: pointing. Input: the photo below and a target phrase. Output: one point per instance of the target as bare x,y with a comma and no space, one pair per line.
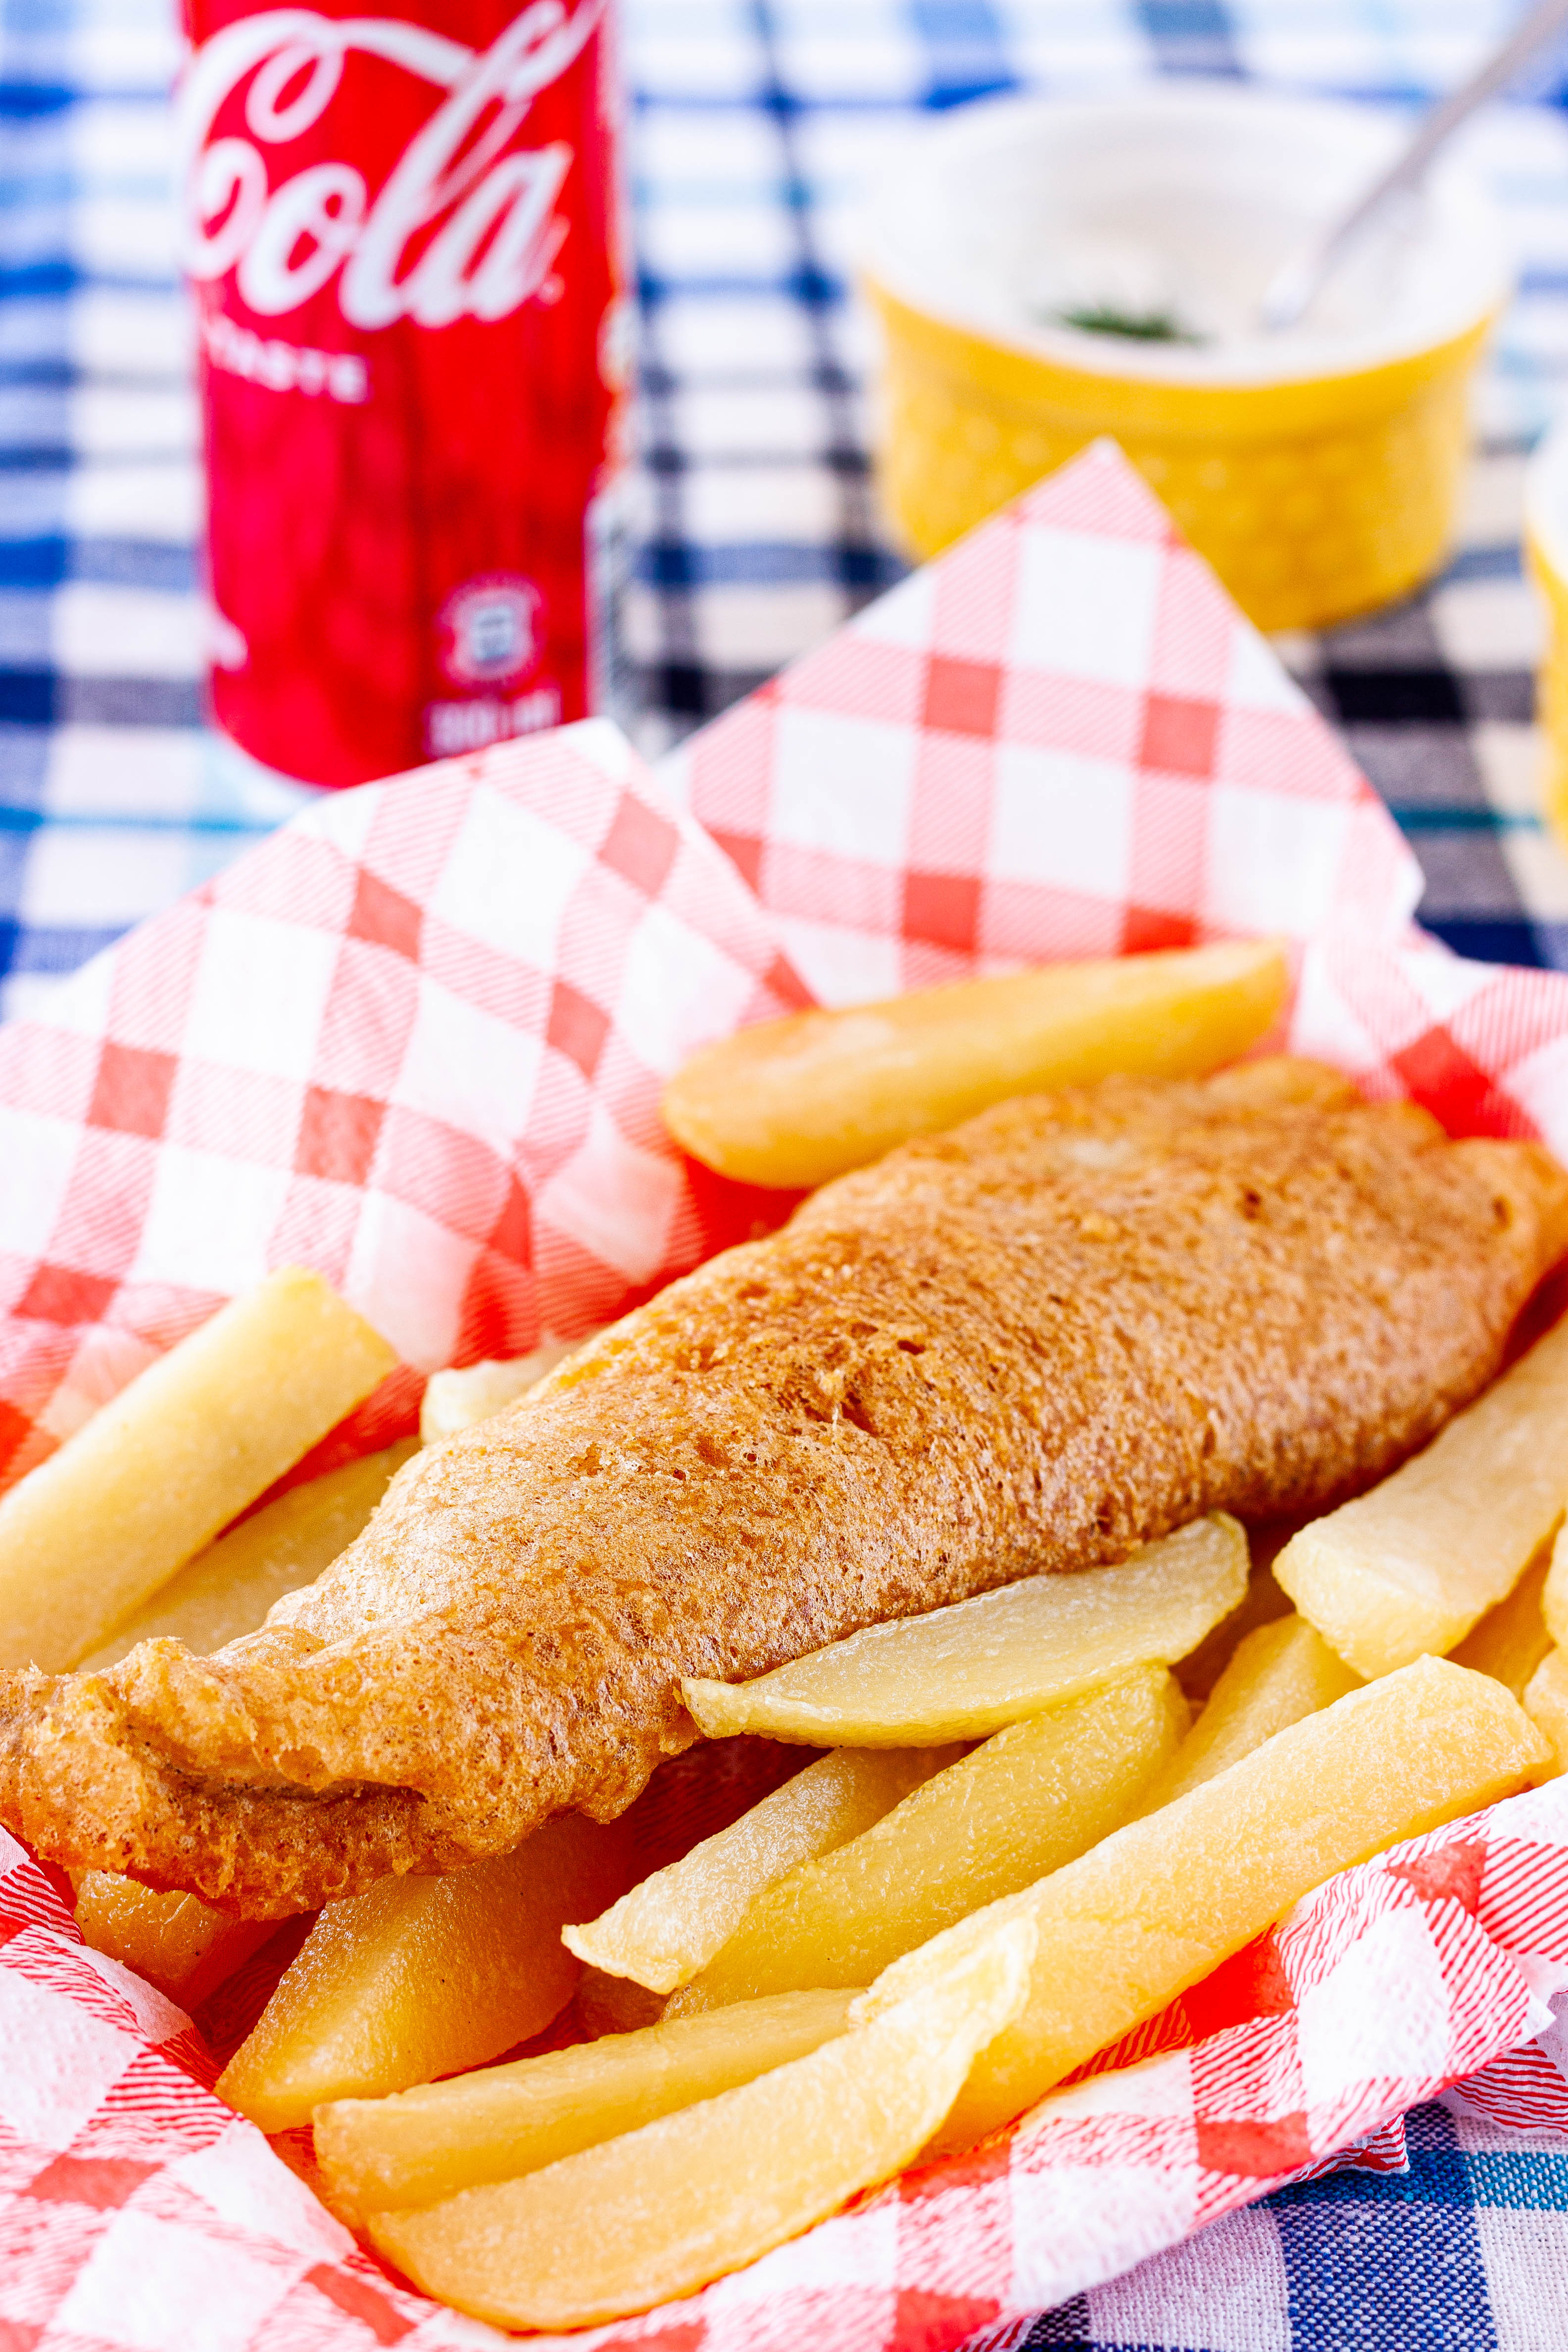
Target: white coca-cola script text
484,212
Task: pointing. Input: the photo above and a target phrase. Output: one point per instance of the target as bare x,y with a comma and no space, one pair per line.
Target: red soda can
403,231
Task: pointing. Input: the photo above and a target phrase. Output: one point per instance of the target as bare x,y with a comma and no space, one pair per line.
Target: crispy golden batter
1071,1325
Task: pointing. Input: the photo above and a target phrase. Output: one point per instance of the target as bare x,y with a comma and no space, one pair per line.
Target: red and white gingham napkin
417,1040
137,2210
1060,740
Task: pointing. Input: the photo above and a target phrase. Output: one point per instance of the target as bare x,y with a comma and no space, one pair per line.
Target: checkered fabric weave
416,1038
754,123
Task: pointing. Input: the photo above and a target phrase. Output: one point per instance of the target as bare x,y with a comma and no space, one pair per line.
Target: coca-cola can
403,231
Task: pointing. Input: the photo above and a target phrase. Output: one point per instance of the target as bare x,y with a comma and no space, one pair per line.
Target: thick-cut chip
176,1941
961,1673
1260,1604
1546,1704
1409,1567
227,1590
1554,1591
657,2213
1161,1903
672,1923
1512,1639
796,1101
95,1530
1278,1674
455,1401
422,1976
1032,1797
421,2146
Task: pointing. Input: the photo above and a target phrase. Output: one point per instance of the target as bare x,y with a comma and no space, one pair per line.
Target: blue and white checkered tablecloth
755,122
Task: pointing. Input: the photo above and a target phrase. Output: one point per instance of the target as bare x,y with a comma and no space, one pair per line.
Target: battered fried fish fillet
1071,1325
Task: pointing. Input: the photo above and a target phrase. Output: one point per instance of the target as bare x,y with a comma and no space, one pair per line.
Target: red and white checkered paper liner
138,2210
1060,740
417,1040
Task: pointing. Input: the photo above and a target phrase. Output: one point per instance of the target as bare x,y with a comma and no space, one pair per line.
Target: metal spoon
1294,287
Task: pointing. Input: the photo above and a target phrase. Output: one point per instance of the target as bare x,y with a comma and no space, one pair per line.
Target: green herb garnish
1137,326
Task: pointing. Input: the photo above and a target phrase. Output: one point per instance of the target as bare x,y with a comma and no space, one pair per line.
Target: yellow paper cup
1546,553
1318,471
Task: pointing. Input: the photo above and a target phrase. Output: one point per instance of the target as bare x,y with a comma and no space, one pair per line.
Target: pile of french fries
1031,1820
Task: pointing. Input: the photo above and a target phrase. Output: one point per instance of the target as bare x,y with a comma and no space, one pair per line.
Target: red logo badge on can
490,630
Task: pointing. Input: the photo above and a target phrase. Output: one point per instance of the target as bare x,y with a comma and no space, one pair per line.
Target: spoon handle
1293,287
